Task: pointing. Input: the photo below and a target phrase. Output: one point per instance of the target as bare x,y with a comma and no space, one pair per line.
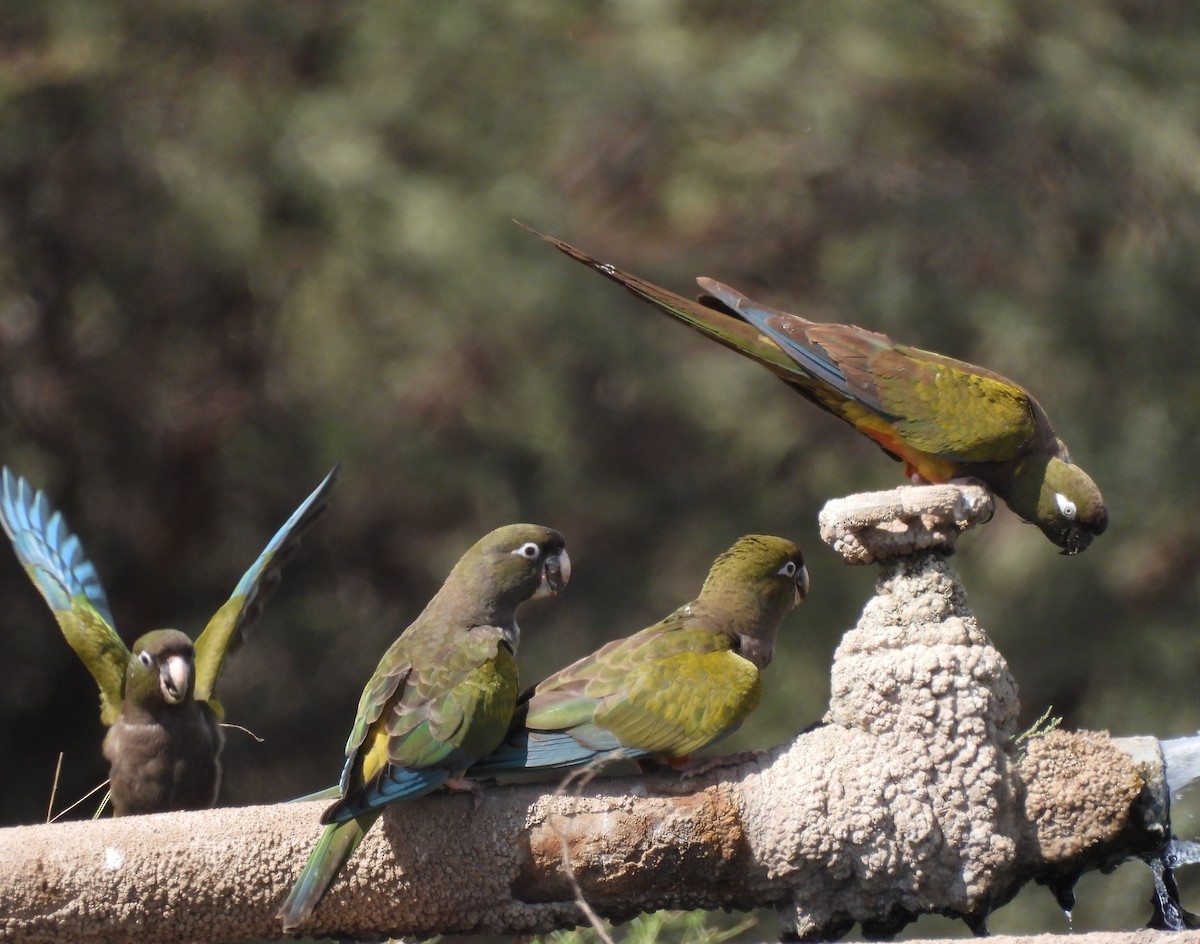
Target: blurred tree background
241,240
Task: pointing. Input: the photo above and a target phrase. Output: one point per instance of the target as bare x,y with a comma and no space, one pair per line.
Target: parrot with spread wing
944,418
442,696
675,687
159,699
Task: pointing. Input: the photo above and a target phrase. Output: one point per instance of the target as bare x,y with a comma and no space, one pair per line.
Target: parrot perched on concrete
442,696
942,417
158,700
675,687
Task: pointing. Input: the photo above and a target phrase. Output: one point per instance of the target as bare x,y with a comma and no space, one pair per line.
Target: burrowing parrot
942,417
442,696
676,686
159,700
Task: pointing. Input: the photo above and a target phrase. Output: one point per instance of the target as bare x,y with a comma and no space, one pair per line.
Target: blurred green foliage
683,927
240,241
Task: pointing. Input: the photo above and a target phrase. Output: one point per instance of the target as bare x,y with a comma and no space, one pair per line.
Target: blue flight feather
806,359
540,750
46,547
395,783
248,584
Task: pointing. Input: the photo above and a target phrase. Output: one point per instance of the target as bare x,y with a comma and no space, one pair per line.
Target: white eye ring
788,569
145,658
1065,506
529,550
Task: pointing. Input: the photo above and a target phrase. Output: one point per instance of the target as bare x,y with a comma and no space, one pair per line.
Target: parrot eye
1065,506
788,569
529,550
145,658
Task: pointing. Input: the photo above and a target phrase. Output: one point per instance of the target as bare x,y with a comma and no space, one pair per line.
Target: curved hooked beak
801,582
174,678
1072,540
556,571
1076,542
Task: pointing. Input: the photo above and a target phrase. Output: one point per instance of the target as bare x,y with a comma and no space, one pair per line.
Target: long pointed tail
332,851
725,328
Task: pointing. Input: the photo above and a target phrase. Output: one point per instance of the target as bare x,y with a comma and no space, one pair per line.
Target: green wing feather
936,404
101,650
457,708
451,711
948,408
362,765
683,702
664,690
224,631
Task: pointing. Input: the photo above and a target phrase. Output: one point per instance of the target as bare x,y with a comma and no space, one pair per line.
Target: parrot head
768,567
161,669
1061,499
755,584
517,562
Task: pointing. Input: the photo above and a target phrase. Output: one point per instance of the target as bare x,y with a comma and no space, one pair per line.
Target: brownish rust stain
685,842
1078,790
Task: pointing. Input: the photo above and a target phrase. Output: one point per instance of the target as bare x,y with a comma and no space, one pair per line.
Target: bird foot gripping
462,784
875,526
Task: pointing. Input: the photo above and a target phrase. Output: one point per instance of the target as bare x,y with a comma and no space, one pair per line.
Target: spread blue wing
54,559
224,631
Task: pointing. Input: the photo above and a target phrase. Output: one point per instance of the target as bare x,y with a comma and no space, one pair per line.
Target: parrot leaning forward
673,688
159,700
442,696
942,417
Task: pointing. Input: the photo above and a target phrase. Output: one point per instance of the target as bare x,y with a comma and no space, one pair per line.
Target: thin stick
99,786
243,729
54,789
579,779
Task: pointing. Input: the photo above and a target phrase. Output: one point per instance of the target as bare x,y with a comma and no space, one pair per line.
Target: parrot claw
466,785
